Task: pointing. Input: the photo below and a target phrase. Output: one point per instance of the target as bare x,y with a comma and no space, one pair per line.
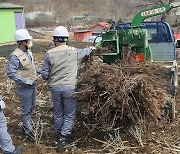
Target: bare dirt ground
157,138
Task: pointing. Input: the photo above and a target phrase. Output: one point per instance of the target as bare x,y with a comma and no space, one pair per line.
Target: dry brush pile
116,95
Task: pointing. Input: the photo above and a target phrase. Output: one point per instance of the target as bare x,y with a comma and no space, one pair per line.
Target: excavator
151,40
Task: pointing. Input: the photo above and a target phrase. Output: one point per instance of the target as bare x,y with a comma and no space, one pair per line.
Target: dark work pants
27,98
5,139
65,105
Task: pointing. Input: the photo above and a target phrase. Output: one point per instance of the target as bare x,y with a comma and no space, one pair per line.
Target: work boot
31,136
62,142
18,149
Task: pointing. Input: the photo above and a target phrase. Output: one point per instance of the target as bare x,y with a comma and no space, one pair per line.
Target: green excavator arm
151,12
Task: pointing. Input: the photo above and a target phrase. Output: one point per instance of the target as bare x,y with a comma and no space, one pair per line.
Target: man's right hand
92,48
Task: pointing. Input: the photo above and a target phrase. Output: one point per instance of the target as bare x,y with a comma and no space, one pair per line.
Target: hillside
92,10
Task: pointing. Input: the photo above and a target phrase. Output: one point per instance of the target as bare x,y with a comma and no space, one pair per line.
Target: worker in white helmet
5,138
60,69
22,70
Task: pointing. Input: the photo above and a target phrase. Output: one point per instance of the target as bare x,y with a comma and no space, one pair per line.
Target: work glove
2,103
92,48
29,82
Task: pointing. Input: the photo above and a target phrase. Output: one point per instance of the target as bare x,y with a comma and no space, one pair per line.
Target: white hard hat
22,34
61,31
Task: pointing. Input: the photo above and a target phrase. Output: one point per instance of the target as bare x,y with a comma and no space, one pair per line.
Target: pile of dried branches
120,95
107,47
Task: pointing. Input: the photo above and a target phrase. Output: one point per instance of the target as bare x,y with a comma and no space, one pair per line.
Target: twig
137,133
